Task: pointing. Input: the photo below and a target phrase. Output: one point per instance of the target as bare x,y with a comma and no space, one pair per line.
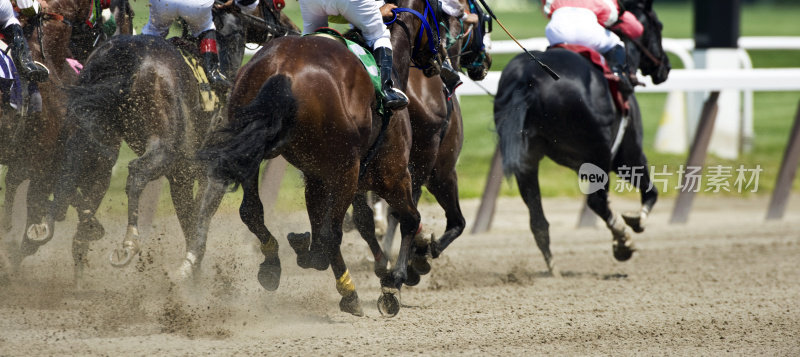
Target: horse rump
510,111
255,132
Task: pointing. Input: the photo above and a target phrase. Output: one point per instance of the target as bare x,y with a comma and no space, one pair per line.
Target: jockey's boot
208,50
21,54
450,77
393,98
617,60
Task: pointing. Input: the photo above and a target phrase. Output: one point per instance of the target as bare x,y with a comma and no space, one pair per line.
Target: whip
544,66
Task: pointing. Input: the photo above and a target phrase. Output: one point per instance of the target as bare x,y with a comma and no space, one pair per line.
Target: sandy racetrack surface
725,283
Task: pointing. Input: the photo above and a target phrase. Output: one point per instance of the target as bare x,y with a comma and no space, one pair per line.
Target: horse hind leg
141,171
327,203
251,212
344,285
528,183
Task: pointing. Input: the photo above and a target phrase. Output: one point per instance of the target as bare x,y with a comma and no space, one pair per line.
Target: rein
426,27
38,23
640,46
645,51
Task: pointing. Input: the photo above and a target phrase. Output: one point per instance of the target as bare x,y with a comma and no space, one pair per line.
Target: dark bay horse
437,132
138,89
31,138
319,112
54,39
574,122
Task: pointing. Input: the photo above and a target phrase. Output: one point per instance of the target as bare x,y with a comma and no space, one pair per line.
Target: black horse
574,122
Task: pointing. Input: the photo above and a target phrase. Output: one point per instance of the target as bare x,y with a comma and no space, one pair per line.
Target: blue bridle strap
425,26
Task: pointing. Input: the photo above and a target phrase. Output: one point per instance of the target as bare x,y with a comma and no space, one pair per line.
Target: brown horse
438,136
32,143
81,40
319,112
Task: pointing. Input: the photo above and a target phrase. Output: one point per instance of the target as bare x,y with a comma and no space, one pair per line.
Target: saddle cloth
10,84
208,98
600,62
362,53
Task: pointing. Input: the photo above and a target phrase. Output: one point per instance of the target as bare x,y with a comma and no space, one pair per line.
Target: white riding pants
363,14
579,26
196,13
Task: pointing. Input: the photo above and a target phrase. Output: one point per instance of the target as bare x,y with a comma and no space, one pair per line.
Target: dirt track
725,283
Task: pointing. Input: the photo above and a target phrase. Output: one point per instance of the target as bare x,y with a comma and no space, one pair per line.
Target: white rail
779,79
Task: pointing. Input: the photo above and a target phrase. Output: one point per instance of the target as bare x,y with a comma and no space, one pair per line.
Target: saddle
358,47
600,62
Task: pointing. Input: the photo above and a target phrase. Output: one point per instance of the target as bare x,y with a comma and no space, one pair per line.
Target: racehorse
574,122
81,39
319,112
31,138
138,89
437,133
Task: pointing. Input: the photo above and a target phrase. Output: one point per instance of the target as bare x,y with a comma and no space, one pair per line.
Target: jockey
366,15
587,23
448,74
12,31
197,14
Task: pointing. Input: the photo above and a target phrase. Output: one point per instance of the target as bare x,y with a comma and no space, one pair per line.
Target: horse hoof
421,264
350,304
39,233
300,242
412,277
269,274
634,220
389,302
552,269
622,252
120,258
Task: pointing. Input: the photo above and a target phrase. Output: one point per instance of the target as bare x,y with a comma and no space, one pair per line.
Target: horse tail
255,132
509,116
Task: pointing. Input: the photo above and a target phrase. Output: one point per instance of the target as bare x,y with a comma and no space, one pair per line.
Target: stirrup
40,73
395,103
